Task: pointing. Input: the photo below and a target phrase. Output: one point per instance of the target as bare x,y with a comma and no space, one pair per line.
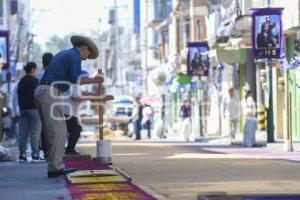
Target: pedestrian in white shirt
232,110
249,110
248,105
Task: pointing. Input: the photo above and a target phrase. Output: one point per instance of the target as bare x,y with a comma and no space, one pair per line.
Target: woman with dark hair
196,61
264,39
30,123
198,65
46,58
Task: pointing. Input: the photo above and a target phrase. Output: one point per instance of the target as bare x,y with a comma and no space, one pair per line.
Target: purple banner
267,32
197,59
4,49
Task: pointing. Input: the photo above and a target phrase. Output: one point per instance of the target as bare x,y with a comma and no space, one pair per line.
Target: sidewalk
29,181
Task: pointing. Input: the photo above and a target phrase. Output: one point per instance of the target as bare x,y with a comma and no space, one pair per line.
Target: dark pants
43,144
137,129
148,127
74,130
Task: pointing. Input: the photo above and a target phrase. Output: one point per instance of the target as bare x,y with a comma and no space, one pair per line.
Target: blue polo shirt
64,66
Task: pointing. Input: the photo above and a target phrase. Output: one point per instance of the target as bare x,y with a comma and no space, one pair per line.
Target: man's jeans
30,124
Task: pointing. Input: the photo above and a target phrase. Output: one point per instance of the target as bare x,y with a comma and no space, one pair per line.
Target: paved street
182,171
199,98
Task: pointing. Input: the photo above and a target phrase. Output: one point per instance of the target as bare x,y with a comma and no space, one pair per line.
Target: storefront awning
232,55
184,79
292,31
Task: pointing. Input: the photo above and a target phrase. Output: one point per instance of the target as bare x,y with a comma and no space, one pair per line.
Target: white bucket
104,151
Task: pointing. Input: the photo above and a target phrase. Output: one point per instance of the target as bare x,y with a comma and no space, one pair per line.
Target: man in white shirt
232,110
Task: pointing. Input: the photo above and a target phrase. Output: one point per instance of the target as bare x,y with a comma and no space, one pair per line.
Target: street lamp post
270,120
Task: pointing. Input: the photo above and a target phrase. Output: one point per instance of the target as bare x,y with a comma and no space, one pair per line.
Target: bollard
104,152
261,118
103,146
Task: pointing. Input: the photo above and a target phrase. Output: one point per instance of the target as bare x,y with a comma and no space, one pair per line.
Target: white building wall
290,16
4,21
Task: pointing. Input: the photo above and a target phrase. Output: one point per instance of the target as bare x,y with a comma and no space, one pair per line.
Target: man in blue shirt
63,69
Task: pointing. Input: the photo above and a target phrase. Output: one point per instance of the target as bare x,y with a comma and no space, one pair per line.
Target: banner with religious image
4,53
197,59
267,32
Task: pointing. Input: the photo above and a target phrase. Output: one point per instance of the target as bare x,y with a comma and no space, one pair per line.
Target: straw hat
87,41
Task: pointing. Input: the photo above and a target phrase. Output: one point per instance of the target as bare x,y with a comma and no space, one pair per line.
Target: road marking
210,156
130,154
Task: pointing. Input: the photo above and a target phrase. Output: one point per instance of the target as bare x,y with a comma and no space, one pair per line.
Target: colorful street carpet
95,181
241,197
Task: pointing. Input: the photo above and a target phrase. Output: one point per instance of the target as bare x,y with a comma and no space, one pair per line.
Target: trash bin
249,132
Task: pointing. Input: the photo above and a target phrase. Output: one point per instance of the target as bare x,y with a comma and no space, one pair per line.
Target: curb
150,191
124,174
143,187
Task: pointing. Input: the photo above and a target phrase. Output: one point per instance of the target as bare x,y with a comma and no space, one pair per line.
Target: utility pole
270,120
146,50
117,40
288,141
28,32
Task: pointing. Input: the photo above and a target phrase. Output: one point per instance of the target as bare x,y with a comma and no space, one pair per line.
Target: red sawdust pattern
85,164
103,191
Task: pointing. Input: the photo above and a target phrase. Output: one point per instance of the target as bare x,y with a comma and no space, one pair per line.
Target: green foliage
56,43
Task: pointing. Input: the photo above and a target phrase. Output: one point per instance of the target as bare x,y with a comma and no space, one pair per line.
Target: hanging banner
267,32
136,16
197,59
4,53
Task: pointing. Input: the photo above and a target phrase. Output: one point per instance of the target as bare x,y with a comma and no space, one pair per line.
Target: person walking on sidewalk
249,111
136,117
64,69
185,114
147,116
232,112
30,123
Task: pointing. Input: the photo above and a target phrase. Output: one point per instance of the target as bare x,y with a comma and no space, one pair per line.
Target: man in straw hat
64,69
